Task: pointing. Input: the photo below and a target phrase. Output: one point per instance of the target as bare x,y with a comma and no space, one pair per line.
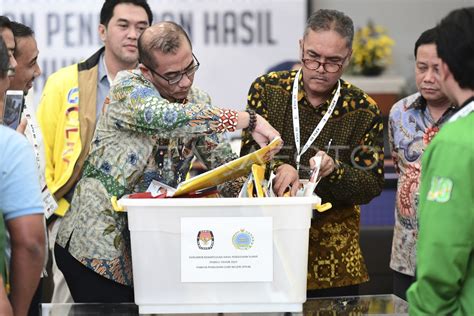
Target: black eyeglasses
313,64
179,75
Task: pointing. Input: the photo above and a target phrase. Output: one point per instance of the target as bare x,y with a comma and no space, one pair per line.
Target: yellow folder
229,171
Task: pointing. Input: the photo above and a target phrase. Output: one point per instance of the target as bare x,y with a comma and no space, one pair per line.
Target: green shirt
445,267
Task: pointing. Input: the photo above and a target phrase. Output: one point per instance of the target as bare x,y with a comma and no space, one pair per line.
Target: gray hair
165,37
325,20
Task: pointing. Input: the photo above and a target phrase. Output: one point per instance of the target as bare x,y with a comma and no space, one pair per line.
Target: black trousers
86,286
351,290
401,283
35,307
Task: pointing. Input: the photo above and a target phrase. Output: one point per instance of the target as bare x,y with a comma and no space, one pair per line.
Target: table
387,304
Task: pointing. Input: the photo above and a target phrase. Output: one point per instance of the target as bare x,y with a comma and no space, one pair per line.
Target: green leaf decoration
107,212
108,230
117,241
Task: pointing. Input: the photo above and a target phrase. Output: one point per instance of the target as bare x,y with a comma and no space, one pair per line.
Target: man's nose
13,62
185,81
430,75
132,32
38,71
321,69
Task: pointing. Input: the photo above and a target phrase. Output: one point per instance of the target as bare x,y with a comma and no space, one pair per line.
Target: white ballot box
206,255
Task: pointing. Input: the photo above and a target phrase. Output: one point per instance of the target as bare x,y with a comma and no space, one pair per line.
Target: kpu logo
205,239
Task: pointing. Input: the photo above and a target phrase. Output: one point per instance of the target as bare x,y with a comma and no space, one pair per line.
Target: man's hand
286,178
22,126
5,306
327,164
264,133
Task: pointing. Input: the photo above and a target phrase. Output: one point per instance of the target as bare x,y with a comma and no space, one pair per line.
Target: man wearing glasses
318,109
153,125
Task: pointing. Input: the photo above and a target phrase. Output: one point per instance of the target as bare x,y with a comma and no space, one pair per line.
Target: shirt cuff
227,121
24,212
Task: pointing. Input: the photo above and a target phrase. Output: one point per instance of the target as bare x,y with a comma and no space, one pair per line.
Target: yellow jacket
67,117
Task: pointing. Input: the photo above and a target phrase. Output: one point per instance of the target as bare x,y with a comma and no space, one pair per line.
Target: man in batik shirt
153,126
413,122
445,265
352,170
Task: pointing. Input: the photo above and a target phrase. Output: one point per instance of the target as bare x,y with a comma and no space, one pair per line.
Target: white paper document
226,249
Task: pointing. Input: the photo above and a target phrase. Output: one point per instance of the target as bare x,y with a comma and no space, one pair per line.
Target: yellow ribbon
115,205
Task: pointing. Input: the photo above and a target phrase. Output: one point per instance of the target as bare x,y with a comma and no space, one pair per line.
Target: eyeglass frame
303,60
180,73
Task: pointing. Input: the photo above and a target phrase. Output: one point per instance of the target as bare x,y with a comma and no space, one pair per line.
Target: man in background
72,102
413,123
26,55
7,35
5,306
445,251
315,109
21,208
27,68
9,40
26,71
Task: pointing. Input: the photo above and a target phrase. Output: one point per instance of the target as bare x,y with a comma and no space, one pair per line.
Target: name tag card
226,249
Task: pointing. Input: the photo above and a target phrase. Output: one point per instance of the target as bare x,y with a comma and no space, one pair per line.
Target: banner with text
235,40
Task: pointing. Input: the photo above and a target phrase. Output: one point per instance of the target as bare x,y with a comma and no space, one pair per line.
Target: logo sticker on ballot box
226,249
205,239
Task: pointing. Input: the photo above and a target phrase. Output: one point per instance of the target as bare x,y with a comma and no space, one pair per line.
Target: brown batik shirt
356,130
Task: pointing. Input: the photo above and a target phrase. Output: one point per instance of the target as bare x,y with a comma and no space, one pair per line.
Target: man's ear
145,71
102,32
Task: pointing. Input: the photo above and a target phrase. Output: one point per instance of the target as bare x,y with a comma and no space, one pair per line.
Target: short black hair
4,59
5,22
107,10
427,37
455,45
21,30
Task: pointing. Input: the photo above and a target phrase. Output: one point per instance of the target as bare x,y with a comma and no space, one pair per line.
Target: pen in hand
329,145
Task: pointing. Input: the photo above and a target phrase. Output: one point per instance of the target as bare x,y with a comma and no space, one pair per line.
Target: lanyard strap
296,119
34,136
463,112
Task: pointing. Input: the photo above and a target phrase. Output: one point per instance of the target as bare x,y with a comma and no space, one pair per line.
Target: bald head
165,37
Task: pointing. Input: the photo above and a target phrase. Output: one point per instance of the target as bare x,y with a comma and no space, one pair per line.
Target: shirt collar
418,104
469,100
102,72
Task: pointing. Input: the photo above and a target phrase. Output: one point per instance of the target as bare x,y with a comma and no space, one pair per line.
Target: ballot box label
226,249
